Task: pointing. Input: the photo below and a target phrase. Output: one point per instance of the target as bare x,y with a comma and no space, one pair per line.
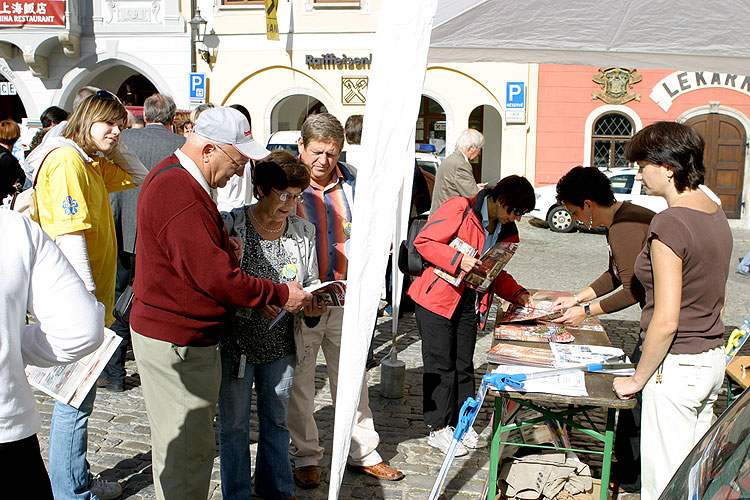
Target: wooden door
724,158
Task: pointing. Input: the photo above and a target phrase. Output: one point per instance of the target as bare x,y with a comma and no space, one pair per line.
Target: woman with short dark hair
279,246
447,315
12,175
683,269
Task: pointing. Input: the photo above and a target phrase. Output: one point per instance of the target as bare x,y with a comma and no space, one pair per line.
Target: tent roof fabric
692,35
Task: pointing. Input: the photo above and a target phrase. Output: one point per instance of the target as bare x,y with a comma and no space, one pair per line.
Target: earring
591,220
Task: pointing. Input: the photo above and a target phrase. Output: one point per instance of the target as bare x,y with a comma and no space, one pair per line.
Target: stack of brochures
533,333
509,354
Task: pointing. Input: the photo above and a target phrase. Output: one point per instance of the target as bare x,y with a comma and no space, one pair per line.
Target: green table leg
609,440
495,448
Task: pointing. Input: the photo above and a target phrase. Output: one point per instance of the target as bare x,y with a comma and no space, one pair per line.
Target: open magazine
71,383
332,293
480,278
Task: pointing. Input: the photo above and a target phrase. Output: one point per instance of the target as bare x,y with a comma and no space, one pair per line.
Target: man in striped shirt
328,204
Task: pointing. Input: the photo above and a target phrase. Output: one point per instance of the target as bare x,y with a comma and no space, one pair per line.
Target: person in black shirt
12,175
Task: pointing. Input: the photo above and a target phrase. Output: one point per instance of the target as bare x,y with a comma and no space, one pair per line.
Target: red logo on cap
247,133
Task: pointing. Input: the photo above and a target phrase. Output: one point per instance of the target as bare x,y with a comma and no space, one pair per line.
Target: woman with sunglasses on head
279,246
447,315
683,268
74,175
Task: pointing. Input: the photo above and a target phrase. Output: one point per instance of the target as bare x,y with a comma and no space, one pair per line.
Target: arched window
611,132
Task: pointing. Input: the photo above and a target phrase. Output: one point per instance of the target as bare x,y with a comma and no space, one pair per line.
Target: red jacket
188,282
434,293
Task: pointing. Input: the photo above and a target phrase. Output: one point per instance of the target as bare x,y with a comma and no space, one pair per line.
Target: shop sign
7,88
332,61
673,86
32,13
354,90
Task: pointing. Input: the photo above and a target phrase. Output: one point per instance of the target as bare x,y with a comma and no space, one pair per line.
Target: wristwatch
587,310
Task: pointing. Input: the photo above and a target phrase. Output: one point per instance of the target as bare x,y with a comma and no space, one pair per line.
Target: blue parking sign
198,87
515,95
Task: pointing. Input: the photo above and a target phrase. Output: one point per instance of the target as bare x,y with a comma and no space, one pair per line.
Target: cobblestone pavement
119,434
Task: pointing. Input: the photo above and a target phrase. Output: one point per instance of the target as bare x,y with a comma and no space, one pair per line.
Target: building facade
586,115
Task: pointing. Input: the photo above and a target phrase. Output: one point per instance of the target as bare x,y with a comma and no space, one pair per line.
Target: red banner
32,13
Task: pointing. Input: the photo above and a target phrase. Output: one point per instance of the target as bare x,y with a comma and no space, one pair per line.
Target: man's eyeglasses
284,197
237,166
105,95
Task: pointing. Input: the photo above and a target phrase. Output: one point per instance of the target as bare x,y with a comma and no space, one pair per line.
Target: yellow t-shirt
72,195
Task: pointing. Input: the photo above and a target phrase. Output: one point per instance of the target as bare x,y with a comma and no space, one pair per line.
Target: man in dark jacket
152,144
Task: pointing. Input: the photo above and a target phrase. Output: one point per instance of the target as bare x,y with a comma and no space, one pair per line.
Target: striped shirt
329,211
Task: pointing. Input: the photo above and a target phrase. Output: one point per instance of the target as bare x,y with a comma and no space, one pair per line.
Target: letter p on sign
515,95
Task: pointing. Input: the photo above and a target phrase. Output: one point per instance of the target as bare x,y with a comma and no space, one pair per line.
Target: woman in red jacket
447,315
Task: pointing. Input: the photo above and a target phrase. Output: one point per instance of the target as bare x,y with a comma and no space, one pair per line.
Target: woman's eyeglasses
105,95
519,212
284,197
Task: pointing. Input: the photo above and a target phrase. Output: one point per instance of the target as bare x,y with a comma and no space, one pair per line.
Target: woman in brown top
587,194
683,268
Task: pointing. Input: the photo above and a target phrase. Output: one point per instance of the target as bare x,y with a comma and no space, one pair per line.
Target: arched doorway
488,121
431,125
290,112
724,158
11,105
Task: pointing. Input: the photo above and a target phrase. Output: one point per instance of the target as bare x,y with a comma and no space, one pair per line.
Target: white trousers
676,413
305,448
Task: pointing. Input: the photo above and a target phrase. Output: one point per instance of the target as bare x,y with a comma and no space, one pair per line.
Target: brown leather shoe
307,477
380,471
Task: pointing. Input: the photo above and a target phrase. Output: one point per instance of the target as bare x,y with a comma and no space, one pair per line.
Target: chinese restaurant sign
32,13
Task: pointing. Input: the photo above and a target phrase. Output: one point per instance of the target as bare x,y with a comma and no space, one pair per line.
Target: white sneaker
443,439
472,440
105,490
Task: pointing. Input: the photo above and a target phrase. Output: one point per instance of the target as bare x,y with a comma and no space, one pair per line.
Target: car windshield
718,468
292,148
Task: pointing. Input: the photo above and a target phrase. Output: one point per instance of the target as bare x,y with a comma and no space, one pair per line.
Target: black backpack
410,261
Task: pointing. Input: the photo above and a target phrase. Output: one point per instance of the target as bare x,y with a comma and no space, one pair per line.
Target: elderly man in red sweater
188,283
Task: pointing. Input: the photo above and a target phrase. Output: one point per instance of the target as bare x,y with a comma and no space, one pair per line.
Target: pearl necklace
262,226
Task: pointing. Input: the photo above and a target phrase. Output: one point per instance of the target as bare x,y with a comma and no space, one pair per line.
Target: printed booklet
509,354
533,333
481,277
332,293
71,383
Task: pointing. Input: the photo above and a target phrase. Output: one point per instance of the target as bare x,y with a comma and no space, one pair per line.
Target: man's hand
316,308
298,298
481,185
468,263
236,245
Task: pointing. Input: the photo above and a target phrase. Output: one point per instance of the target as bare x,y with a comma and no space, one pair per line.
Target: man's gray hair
82,94
322,127
159,108
470,139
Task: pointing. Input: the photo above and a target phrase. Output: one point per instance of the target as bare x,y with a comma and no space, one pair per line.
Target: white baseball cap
226,125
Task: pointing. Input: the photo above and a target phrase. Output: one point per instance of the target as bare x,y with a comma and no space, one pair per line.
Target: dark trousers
448,358
114,372
22,471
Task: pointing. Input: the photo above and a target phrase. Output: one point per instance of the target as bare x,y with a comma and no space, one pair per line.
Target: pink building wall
564,104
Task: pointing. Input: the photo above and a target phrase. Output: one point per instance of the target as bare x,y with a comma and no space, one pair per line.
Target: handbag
410,261
121,311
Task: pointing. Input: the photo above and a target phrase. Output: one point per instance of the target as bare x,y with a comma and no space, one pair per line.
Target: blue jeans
68,438
273,471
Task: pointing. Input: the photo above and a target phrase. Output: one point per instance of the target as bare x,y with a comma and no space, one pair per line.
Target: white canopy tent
692,35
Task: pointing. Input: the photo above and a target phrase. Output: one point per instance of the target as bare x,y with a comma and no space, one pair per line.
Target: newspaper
569,355
71,383
565,384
